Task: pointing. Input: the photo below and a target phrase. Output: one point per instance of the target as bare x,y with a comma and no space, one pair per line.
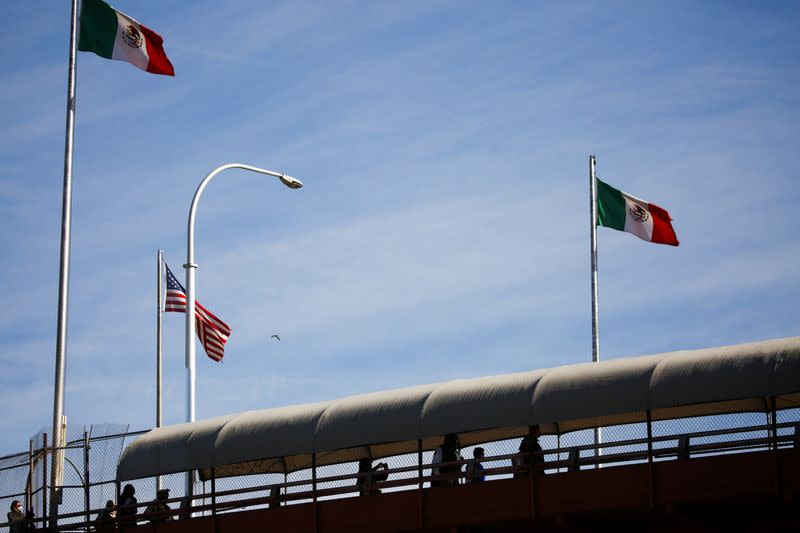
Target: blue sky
443,229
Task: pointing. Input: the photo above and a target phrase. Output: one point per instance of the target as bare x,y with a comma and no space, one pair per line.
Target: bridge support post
420,495
29,484
532,473
214,499
558,447
774,444
214,495
45,508
314,490
86,488
117,493
650,468
773,422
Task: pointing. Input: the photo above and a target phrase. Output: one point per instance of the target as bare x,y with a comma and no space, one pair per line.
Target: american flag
211,331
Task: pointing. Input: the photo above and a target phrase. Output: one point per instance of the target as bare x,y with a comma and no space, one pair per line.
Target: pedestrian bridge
686,438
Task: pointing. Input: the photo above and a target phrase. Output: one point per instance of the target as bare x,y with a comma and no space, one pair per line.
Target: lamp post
190,267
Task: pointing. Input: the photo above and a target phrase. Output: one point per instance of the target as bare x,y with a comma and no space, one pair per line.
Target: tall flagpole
63,277
593,232
159,308
595,307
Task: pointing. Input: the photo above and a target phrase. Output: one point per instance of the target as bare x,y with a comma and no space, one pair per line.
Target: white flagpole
595,306
63,277
159,310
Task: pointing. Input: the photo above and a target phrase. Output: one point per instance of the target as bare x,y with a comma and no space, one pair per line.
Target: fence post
774,428
29,484
117,494
532,474
44,479
420,474
574,460
774,443
419,463
86,493
213,492
684,447
314,476
768,412
650,467
314,490
558,446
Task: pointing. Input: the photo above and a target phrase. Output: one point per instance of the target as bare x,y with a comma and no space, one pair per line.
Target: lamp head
292,183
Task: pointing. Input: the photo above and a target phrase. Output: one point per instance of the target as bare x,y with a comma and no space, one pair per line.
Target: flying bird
275,337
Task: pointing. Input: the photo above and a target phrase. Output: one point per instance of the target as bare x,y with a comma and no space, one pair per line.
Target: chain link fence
87,479
788,421
696,436
14,472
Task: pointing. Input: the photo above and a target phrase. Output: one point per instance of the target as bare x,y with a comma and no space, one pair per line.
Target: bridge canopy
681,384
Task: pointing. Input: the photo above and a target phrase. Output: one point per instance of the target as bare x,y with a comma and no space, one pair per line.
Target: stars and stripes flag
212,332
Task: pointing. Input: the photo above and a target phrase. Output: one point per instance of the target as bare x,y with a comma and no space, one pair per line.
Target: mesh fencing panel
93,466
617,445
789,422
14,471
258,489
696,436
299,484
333,489
576,440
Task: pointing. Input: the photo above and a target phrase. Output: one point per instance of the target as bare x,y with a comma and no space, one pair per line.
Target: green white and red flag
623,212
114,35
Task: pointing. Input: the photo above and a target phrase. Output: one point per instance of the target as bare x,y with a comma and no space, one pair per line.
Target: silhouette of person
530,453
157,509
368,476
448,452
127,503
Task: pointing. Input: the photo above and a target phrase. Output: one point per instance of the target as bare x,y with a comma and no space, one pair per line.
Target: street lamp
190,266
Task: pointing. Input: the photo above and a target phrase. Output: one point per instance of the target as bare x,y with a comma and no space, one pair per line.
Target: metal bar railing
652,448
754,443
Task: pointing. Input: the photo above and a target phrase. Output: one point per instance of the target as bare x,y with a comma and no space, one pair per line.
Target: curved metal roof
671,385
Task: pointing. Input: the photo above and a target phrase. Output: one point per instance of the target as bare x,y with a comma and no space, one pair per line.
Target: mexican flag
114,35
623,212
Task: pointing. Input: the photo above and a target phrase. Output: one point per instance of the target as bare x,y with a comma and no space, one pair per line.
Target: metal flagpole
159,309
63,277
593,232
595,307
